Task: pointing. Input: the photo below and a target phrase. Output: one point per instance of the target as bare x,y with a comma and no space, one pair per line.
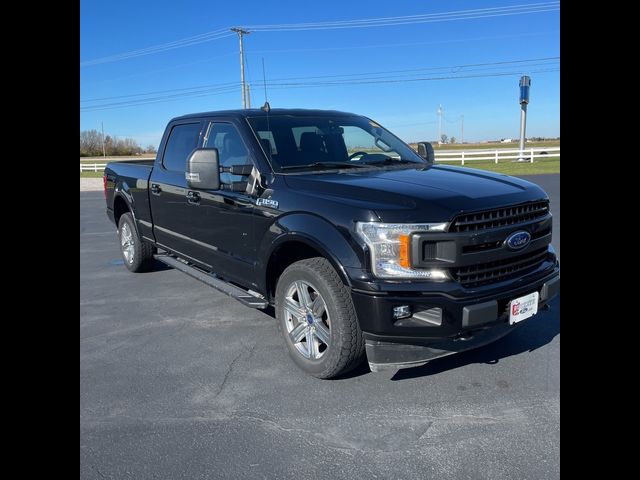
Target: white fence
529,154
92,167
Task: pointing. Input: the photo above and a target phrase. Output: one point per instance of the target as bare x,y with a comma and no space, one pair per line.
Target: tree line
91,145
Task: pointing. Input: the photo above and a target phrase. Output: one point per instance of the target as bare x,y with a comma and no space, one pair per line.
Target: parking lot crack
232,364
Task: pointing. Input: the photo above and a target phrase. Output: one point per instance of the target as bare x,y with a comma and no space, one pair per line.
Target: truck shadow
527,338
158,266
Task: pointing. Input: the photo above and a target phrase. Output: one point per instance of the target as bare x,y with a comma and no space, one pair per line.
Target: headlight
390,244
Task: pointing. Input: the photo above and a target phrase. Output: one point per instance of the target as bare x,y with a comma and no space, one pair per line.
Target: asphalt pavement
180,381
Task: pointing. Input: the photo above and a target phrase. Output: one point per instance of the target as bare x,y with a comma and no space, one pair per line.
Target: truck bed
145,162
134,176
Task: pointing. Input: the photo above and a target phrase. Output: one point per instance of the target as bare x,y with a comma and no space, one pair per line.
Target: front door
222,220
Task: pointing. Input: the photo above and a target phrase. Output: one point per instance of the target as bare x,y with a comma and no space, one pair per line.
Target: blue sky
409,109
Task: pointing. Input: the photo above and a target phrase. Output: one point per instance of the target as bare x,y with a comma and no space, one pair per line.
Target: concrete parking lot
180,381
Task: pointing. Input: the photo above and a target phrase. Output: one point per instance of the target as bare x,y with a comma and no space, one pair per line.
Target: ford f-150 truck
363,247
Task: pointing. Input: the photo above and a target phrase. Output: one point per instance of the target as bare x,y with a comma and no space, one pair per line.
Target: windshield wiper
389,161
325,165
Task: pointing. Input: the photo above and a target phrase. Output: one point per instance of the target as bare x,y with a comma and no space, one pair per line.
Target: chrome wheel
307,320
126,242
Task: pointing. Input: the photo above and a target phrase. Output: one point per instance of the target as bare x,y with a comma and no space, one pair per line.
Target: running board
244,296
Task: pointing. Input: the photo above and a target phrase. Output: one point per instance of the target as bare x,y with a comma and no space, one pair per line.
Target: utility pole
240,33
248,96
440,125
104,152
461,128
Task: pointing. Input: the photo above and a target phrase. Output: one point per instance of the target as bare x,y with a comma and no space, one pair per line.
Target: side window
182,140
231,150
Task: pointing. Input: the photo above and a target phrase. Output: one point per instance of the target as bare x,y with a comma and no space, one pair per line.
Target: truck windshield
293,142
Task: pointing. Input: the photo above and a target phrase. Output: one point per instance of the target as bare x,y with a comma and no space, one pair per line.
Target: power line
413,19
159,70
425,69
162,98
382,81
353,47
220,33
410,44
220,91
345,75
160,91
217,35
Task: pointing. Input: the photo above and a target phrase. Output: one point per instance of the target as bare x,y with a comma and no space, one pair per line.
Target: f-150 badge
267,202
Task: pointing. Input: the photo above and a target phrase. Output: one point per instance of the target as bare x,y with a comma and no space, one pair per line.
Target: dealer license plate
523,307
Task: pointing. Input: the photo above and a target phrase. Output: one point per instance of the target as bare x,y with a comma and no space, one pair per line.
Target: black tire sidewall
136,265
325,287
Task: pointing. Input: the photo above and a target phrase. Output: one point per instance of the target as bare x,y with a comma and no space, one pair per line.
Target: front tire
316,316
136,253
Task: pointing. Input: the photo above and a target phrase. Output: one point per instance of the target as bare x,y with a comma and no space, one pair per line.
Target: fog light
402,311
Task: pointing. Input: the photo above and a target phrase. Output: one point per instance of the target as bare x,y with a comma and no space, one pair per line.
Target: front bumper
464,322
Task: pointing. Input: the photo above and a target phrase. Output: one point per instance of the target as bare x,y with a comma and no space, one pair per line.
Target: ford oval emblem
518,240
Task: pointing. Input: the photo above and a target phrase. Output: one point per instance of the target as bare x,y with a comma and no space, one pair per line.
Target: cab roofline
256,112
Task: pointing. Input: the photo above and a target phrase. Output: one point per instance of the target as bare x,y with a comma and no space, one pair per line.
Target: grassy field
493,146
91,174
144,156
548,165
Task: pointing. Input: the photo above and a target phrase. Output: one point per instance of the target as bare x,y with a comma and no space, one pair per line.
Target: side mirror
425,150
203,169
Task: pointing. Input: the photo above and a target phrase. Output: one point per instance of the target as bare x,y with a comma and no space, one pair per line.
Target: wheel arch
301,236
123,203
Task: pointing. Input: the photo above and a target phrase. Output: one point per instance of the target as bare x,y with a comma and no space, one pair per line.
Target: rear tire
136,253
316,317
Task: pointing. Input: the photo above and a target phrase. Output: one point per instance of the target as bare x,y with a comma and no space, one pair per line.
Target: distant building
506,140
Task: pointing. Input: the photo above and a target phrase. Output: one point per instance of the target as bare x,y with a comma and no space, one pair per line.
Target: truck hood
431,194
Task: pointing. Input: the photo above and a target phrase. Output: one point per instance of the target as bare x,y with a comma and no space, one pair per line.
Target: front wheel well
283,256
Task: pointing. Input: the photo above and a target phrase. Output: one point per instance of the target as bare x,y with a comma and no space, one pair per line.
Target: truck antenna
266,107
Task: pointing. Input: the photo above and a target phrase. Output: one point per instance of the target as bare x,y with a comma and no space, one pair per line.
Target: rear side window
182,140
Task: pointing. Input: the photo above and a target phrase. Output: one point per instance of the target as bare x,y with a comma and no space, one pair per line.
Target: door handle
193,197
155,189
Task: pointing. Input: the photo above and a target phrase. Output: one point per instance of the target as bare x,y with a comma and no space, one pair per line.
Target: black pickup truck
362,246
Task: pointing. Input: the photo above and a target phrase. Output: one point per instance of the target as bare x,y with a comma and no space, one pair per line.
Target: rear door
168,189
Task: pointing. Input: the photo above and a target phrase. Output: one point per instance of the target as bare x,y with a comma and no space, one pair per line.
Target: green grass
493,146
548,165
91,174
144,156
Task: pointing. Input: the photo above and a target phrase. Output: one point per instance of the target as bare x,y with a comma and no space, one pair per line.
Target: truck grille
500,217
482,273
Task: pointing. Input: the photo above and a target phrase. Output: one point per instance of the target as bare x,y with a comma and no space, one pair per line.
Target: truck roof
256,112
